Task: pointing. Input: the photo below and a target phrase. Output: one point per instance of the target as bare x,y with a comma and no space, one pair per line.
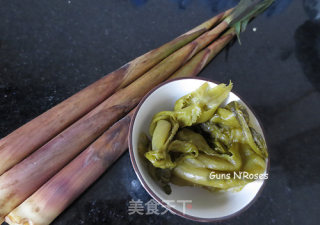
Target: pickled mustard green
200,138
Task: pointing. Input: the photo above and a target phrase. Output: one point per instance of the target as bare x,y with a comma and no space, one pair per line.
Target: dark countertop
52,49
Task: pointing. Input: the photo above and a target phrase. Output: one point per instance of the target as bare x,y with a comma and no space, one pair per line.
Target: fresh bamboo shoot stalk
48,202
26,139
199,61
23,179
73,179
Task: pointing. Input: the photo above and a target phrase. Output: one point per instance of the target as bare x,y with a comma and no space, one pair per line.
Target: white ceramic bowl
206,206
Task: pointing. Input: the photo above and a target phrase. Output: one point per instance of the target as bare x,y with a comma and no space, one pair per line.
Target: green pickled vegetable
246,131
201,176
144,144
161,133
170,118
200,105
220,148
183,147
161,176
200,138
164,161
225,117
216,132
162,129
258,139
253,162
223,162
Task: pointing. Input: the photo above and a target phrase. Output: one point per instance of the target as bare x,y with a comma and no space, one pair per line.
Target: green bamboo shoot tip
244,12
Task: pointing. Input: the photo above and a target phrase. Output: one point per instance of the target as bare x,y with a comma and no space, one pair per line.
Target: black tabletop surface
52,49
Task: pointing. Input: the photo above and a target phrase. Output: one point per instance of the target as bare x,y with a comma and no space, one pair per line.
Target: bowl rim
158,199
